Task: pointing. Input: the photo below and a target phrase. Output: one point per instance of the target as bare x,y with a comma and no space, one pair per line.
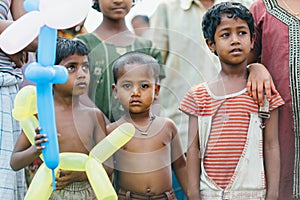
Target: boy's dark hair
96,5
145,18
212,17
66,47
134,57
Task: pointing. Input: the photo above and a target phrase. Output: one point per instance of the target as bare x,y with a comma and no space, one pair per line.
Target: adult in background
277,46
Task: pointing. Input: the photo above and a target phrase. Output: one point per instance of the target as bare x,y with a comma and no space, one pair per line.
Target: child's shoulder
165,122
164,119
112,126
143,42
199,88
89,39
93,112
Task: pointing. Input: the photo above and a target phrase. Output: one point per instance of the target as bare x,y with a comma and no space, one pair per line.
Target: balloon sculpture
24,110
43,19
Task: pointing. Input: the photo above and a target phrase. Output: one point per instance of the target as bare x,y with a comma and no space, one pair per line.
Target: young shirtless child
233,153
79,127
144,163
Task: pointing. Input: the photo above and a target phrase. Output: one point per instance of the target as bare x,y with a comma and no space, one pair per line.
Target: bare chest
75,132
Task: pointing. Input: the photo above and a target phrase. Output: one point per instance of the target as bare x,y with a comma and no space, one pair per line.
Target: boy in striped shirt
233,153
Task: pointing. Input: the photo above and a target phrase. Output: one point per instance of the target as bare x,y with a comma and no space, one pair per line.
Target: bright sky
145,7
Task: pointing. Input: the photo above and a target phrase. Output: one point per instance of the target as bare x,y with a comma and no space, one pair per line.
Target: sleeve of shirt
275,102
4,9
9,79
188,104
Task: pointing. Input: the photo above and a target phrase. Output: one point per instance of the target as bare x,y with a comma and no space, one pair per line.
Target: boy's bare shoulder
112,126
94,113
91,110
169,123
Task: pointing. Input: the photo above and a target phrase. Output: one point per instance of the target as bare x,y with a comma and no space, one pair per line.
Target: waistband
128,195
224,195
78,186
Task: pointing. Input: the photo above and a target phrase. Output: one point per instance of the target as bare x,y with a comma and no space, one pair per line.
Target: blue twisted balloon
45,74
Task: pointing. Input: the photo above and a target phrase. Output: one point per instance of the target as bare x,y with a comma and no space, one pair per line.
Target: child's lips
81,84
135,102
118,8
236,50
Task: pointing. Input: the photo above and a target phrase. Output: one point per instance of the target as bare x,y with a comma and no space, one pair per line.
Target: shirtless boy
79,127
144,163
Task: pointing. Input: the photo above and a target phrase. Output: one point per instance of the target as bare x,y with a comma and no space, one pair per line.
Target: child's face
115,9
136,88
232,41
79,77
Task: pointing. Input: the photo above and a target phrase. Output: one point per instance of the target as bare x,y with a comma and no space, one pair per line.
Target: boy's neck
69,101
138,117
230,80
229,71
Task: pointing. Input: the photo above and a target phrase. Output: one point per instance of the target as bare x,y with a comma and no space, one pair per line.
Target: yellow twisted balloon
24,110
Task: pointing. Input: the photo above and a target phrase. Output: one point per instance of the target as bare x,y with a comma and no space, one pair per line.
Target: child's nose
136,90
235,39
117,1
81,73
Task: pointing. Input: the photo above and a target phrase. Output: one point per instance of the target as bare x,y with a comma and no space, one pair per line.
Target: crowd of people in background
177,70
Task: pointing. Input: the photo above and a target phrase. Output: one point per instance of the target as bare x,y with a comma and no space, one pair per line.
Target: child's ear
252,40
115,90
156,91
211,45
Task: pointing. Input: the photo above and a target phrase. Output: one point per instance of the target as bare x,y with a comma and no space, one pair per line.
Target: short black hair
134,57
66,47
96,5
212,17
145,18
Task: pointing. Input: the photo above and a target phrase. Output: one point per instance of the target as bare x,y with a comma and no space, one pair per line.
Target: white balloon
63,14
21,33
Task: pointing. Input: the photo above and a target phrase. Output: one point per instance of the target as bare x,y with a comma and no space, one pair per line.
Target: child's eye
144,85
126,85
242,32
224,35
85,67
71,68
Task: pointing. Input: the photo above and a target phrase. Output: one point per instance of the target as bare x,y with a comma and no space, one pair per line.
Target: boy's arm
24,153
101,133
17,9
178,159
259,83
193,159
272,156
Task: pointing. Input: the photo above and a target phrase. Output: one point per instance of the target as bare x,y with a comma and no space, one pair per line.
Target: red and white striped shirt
229,128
